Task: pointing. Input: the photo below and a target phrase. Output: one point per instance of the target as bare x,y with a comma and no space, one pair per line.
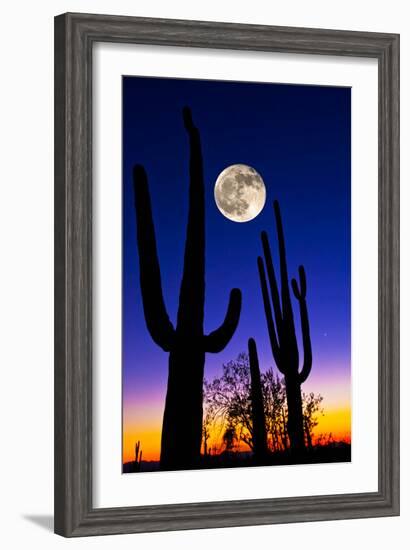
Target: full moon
240,193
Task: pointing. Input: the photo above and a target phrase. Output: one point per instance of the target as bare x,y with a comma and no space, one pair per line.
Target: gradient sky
298,139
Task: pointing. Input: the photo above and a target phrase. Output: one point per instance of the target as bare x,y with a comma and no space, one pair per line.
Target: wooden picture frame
75,35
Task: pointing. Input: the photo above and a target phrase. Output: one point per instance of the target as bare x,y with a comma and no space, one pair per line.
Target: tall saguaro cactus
281,328
186,343
260,448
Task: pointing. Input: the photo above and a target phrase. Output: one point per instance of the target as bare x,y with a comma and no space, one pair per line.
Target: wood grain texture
74,38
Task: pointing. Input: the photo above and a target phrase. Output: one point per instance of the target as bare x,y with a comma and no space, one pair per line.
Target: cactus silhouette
186,343
260,448
281,328
138,457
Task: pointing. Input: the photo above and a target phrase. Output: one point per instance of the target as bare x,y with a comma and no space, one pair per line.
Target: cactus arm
156,317
272,281
300,294
217,340
269,317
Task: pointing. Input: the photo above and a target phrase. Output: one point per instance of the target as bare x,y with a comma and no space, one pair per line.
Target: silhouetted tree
311,408
206,430
229,438
282,333
186,343
228,404
276,412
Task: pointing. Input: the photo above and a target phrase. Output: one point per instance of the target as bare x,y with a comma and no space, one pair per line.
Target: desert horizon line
336,420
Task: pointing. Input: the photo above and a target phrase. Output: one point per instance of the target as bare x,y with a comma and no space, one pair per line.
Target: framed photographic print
226,274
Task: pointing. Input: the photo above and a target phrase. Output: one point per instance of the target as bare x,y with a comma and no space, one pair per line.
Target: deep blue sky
298,139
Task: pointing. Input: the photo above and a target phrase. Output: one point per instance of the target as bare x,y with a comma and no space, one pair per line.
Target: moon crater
240,193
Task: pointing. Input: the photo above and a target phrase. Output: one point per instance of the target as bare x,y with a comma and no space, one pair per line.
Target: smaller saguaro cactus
260,448
281,329
138,456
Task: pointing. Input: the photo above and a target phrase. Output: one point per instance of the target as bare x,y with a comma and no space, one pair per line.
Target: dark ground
319,454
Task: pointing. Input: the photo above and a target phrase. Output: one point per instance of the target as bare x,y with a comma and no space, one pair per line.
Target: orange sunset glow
336,422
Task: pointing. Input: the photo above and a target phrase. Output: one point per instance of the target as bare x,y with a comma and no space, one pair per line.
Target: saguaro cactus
281,328
260,448
186,343
138,456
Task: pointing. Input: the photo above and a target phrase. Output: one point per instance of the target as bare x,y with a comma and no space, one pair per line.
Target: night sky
298,138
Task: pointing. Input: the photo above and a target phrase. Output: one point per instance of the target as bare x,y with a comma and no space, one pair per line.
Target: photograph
226,274
236,274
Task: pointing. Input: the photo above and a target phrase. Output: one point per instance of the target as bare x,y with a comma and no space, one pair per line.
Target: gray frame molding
74,38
